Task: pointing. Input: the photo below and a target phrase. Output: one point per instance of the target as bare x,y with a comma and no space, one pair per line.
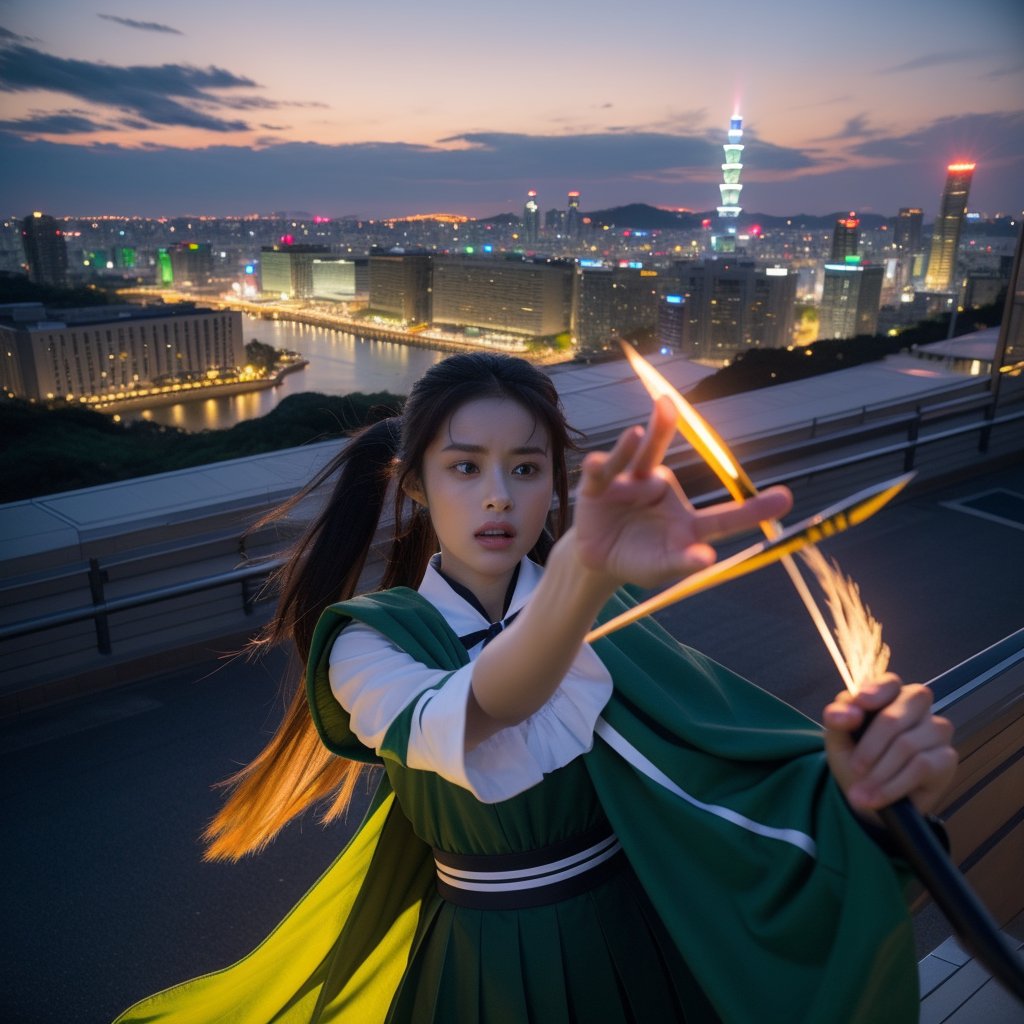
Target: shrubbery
60,449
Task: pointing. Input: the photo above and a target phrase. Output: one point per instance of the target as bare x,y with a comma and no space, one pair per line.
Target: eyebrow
479,449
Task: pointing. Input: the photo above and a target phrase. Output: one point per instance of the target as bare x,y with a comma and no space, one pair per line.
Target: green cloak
783,908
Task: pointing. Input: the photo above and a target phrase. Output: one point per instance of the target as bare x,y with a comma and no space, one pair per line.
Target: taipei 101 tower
725,237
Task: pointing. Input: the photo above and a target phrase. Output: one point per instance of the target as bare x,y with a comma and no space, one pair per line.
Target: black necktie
470,640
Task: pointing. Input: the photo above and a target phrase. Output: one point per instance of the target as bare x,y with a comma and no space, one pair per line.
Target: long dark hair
328,562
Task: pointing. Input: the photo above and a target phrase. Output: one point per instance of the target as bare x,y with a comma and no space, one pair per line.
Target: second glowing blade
832,520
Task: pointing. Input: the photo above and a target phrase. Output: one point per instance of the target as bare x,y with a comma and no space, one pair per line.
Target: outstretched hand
904,751
633,522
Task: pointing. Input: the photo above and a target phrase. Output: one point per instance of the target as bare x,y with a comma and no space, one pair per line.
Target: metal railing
100,608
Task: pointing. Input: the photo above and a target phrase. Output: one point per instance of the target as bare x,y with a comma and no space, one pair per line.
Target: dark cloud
6,35
985,137
144,26
168,94
1015,68
616,152
375,178
56,123
262,103
931,60
856,127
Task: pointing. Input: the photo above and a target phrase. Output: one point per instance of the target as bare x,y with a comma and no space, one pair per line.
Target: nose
498,497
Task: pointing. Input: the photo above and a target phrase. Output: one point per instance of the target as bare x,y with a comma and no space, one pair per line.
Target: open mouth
495,535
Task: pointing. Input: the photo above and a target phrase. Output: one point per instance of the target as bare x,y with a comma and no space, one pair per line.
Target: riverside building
526,297
114,353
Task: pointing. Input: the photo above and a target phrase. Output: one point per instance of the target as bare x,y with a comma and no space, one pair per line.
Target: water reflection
339,364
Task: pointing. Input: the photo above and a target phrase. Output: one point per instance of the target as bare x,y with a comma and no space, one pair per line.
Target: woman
562,833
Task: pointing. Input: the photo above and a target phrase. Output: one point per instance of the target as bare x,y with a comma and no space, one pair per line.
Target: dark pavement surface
105,898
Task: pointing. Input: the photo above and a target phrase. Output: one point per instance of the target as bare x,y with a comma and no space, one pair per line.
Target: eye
526,469
464,468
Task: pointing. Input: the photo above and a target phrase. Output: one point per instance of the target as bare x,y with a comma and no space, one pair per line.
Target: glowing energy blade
715,452
830,521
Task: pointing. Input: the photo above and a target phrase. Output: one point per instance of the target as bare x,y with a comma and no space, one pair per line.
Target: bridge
119,709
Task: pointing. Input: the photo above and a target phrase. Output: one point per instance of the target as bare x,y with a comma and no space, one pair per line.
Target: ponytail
295,770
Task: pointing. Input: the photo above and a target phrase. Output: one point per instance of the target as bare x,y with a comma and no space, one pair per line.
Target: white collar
459,613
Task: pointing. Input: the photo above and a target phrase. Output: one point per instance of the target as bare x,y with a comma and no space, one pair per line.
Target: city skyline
133,109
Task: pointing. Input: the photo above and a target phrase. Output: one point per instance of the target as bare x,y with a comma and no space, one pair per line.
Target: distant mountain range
642,217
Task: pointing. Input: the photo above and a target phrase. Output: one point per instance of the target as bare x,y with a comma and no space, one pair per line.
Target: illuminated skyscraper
845,238
573,218
729,210
531,218
941,275
850,300
46,251
730,306
908,229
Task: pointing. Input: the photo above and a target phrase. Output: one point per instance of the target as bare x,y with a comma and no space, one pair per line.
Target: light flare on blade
827,523
715,452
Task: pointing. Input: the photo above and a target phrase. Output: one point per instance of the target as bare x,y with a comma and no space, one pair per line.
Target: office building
724,239
907,234
528,297
941,273
286,271
334,278
845,239
1008,365
850,300
531,219
573,217
400,286
730,306
107,352
46,251
671,323
613,303
191,264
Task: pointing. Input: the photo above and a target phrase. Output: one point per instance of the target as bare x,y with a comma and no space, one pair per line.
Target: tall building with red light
725,235
941,274
845,238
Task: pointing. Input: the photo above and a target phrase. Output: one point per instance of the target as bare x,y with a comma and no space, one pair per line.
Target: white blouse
375,681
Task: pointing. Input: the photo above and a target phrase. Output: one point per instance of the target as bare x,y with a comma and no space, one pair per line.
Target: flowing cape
781,905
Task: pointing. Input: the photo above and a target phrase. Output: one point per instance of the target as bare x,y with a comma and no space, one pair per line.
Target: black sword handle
974,926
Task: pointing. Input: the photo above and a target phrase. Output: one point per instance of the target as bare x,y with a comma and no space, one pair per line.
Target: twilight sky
386,107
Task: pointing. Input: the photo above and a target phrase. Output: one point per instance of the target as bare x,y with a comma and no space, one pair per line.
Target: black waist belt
515,881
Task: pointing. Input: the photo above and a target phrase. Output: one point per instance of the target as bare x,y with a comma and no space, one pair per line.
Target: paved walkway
956,989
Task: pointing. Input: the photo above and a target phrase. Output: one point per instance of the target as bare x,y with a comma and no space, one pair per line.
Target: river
339,364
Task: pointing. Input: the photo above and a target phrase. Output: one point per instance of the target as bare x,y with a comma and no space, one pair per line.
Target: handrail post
985,434
913,430
97,577
247,601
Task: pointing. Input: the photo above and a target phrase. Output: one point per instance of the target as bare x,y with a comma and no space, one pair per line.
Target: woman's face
487,484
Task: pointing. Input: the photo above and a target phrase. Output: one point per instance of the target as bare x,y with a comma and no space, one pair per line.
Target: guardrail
101,608
984,697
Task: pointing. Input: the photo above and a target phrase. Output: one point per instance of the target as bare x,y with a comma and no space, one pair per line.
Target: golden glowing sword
829,521
715,452
971,920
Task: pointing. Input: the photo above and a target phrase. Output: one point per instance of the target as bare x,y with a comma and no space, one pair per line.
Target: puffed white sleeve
416,715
